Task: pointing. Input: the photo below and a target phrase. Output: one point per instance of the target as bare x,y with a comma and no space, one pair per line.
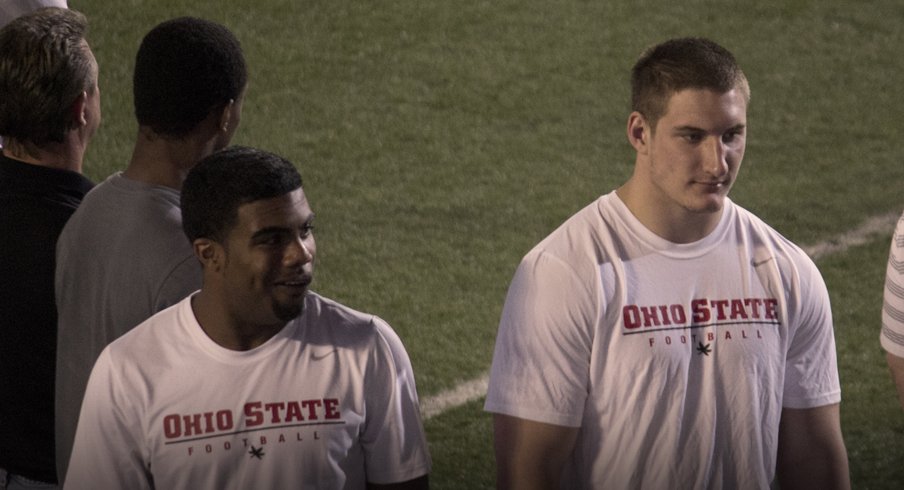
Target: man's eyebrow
688,129
270,230
695,129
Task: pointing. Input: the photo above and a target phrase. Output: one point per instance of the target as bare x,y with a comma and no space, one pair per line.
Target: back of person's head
221,182
185,69
679,64
45,65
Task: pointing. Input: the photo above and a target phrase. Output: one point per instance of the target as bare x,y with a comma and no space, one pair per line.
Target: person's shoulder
580,224
129,193
582,236
323,307
896,252
899,231
325,316
125,210
594,214
764,235
94,202
147,338
105,186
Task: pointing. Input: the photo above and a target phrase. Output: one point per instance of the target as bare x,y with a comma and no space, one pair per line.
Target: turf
440,140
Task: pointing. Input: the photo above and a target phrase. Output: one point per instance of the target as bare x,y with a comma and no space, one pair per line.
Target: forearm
896,365
811,452
817,469
530,455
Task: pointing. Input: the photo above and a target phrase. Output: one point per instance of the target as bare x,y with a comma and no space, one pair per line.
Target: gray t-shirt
121,258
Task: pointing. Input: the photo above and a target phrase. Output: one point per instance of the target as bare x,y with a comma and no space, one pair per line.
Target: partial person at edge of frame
892,336
663,336
49,112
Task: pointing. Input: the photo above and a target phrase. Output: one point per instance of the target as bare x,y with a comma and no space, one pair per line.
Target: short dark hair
185,69
221,182
679,64
45,64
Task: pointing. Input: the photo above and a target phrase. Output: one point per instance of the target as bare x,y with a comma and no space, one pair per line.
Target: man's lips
295,282
718,184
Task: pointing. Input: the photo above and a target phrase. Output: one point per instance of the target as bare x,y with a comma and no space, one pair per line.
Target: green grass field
439,141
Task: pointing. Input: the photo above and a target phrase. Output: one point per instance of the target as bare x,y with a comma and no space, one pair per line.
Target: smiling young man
664,337
254,381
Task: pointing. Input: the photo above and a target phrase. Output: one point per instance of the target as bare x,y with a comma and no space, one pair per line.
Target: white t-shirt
329,402
675,360
892,337
121,258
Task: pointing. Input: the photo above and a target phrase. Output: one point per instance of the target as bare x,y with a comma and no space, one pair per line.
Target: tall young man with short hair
49,111
254,381
123,256
664,337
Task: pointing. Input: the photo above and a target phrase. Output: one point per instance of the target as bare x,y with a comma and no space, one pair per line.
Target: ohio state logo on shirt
700,313
253,415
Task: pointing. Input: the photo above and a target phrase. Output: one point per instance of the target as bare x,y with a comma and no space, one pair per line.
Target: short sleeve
811,371
108,450
541,361
395,446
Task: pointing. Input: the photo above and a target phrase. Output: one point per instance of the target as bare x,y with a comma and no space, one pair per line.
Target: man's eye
692,138
729,137
269,240
307,230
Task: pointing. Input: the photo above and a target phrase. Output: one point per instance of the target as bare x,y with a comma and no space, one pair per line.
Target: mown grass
440,140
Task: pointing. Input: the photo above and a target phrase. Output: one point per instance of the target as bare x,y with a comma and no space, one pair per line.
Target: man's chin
289,311
710,204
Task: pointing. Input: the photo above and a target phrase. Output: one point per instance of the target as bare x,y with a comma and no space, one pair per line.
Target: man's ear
639,132
78,110
226,117
209,253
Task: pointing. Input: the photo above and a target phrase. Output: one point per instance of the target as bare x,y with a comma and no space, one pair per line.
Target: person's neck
674,224
227,331
62,156
164,161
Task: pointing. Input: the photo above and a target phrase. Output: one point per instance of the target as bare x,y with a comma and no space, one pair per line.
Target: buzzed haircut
221,182
185,69
45,64
678,64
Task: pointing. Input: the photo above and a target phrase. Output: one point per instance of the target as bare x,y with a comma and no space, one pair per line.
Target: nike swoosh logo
757,263
320,357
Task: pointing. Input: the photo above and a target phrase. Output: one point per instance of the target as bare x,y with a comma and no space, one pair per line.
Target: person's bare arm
896,365
811,452
530,455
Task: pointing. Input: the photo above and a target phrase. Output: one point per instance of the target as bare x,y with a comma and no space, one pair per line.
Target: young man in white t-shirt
254,381
664,337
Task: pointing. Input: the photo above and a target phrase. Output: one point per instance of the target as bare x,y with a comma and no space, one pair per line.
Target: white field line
456,397
476,388
877,225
